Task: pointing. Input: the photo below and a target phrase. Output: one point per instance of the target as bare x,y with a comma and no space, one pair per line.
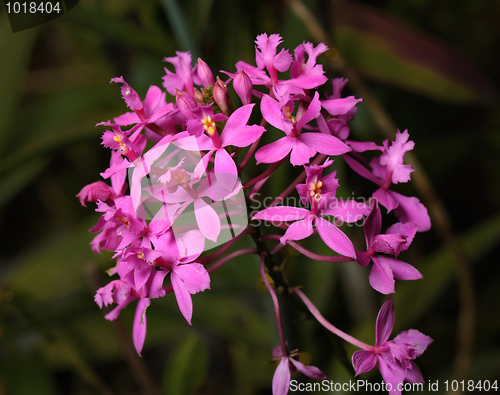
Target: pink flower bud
243,87
198,96
221,96
185,103
205,74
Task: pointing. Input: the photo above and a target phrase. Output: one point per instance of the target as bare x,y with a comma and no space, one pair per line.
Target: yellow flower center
315,189
288,115
209,125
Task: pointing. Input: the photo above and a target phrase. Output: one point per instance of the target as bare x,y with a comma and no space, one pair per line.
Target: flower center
287,112
209,125
315,190
181,177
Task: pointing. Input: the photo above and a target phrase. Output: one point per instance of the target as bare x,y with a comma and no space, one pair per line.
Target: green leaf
187,366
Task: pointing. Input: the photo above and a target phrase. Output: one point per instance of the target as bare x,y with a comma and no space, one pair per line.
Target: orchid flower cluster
177,160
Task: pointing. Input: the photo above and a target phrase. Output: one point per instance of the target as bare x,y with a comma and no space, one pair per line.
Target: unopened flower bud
199,97
243,87
205,74
185,103
221,96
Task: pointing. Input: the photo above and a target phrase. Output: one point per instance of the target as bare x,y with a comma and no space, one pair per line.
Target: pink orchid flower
394,357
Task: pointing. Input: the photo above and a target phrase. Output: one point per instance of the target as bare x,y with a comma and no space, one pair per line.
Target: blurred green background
433,68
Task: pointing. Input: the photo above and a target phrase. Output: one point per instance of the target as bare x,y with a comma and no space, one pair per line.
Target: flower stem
315,312
284,349
270,170
230,256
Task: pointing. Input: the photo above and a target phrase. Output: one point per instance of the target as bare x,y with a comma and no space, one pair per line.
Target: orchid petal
391,373
237,120
414,338
272,112
334,238
363,361
275,151
385,322
312,112
281,378
324,143
401,270
381,278
282,214
373,224
301,153
207,219
310,371
225,169
139,329
298,230
183,296
414,374
411,210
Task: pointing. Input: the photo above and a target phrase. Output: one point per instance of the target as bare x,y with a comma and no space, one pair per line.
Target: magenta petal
282,214
386,199
130,96
153,97
401,270
238,119
142,274
385,322
391,373
194,276
373,224
334,238
411,210
301,153
271,111
388,243
245,136
312,112
340,106
186,280
416,339
128,118
360,169
298,230
324,143
414,375
345,210
207,219
363,361
139,330
381,278
183,297
310,371
274,151
193,243
225,169
281,378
